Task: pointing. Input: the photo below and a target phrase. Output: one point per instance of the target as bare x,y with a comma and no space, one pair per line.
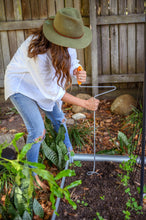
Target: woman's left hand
81,75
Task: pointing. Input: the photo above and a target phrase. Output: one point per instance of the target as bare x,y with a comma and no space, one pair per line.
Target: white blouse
35,77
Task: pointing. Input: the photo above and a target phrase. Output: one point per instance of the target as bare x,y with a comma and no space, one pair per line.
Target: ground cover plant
17,192
103,190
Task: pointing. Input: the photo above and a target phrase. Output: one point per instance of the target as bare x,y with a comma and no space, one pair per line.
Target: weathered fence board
94,48
18,16
122,40
105,41
42,5
114,40
140,40
5,53
131,39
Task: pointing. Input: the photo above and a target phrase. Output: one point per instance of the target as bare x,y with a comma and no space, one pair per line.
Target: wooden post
4,45
18,17
94,50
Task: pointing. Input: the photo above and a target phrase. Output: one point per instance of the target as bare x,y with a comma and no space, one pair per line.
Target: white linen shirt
34,78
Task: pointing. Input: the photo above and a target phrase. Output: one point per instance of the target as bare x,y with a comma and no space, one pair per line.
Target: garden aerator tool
112,88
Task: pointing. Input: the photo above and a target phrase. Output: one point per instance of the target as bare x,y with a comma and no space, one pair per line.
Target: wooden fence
117,51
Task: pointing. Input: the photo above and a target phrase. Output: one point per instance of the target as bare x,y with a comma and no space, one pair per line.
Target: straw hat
67,29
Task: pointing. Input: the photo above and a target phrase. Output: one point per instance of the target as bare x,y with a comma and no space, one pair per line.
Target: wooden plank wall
119,35
120,42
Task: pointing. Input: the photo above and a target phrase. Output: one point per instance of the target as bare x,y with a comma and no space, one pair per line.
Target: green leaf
63,147
24,150
52,199
31,186
16,138
112,151
16,165
18,217
61,134
34,164
127,190
77,163
49,153
57,191
60,158
71,202
19,200
37,208
45,175
9,207
73,184
18,179
65,173
26,216
123,138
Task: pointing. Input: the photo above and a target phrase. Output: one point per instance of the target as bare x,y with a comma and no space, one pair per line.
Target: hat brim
60,40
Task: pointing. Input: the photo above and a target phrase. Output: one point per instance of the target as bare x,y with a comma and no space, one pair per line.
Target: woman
41,70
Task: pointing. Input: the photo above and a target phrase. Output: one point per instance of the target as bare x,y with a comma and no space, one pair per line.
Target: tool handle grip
79,69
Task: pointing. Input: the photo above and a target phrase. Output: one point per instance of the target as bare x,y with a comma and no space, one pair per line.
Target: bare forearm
90,104
74,100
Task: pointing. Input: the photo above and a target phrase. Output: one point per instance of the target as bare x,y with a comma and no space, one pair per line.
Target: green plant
133,124
131,203
102,197
19,201
53,147
99,216
136,117
79,134
124,142
144,191
83,203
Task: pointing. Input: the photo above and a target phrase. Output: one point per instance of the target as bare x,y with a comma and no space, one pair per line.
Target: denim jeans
29,111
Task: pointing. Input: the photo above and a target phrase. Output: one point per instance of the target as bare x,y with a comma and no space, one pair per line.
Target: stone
9,137
123,104
70,121
78,116
77,109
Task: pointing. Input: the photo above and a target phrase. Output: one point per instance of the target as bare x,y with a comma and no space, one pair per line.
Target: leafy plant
131,204
83,203
124,143
79,135
102,197
99,216
53,147
133,123
19,201
136,117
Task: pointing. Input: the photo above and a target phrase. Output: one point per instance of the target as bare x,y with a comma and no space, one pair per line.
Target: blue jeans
29,111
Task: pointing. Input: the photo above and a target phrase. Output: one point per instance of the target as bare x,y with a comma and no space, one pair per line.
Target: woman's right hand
92,104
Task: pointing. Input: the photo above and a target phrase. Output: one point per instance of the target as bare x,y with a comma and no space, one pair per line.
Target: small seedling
102,197
99,216
82,202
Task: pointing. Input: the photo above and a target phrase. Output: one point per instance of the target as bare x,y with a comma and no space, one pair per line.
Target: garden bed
102,192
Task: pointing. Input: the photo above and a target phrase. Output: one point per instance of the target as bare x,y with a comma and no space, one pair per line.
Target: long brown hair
60,56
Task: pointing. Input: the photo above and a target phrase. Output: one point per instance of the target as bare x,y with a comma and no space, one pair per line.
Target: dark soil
103,193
